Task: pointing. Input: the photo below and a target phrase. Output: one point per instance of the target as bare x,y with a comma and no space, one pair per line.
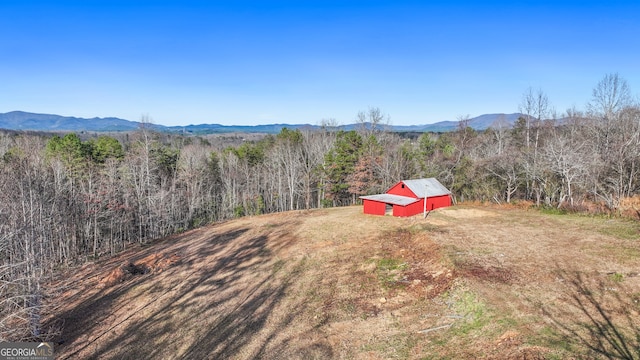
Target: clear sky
259,62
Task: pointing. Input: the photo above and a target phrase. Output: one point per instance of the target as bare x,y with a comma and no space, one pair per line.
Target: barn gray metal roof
391,199
426,187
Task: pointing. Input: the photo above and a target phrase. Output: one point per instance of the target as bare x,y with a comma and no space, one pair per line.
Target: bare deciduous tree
372,121
609,97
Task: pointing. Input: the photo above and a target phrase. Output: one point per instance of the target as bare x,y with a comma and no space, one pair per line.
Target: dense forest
66,199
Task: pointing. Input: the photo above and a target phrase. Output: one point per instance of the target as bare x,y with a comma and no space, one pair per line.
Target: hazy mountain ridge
20,120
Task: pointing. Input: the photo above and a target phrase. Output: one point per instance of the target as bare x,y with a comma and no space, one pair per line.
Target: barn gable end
402,189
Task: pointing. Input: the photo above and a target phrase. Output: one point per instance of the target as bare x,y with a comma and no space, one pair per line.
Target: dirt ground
467,282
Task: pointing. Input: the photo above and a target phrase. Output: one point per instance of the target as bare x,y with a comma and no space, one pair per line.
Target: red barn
408,198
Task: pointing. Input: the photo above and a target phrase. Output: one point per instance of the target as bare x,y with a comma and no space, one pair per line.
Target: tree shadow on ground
597,317
223,300
102,305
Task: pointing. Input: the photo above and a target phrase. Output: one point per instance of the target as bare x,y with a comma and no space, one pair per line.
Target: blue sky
259,62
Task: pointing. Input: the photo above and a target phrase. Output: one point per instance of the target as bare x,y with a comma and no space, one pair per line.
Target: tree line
65,200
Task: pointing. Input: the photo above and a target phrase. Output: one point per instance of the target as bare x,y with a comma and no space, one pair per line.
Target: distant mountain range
20,120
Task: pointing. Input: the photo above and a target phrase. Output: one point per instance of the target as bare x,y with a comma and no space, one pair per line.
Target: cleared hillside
467,282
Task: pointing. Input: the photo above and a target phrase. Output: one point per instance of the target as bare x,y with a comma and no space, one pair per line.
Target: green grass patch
473,310
277,266
270,226
621,229
428,228
471,320
508,322
349,307
389,270
550,210
616,277
604,224
551,338
386,264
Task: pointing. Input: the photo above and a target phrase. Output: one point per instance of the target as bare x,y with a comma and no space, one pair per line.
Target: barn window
403,186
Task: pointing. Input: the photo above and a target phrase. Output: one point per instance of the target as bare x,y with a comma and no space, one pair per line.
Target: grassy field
467,282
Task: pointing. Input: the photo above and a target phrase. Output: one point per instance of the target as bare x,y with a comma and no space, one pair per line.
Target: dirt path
467,282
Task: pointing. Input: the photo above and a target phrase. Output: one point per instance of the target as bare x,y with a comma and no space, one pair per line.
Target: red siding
398,189
399,211
374,207
438,202
418,207
409,210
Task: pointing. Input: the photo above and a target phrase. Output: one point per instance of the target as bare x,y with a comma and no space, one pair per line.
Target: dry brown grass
467,282
630,207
